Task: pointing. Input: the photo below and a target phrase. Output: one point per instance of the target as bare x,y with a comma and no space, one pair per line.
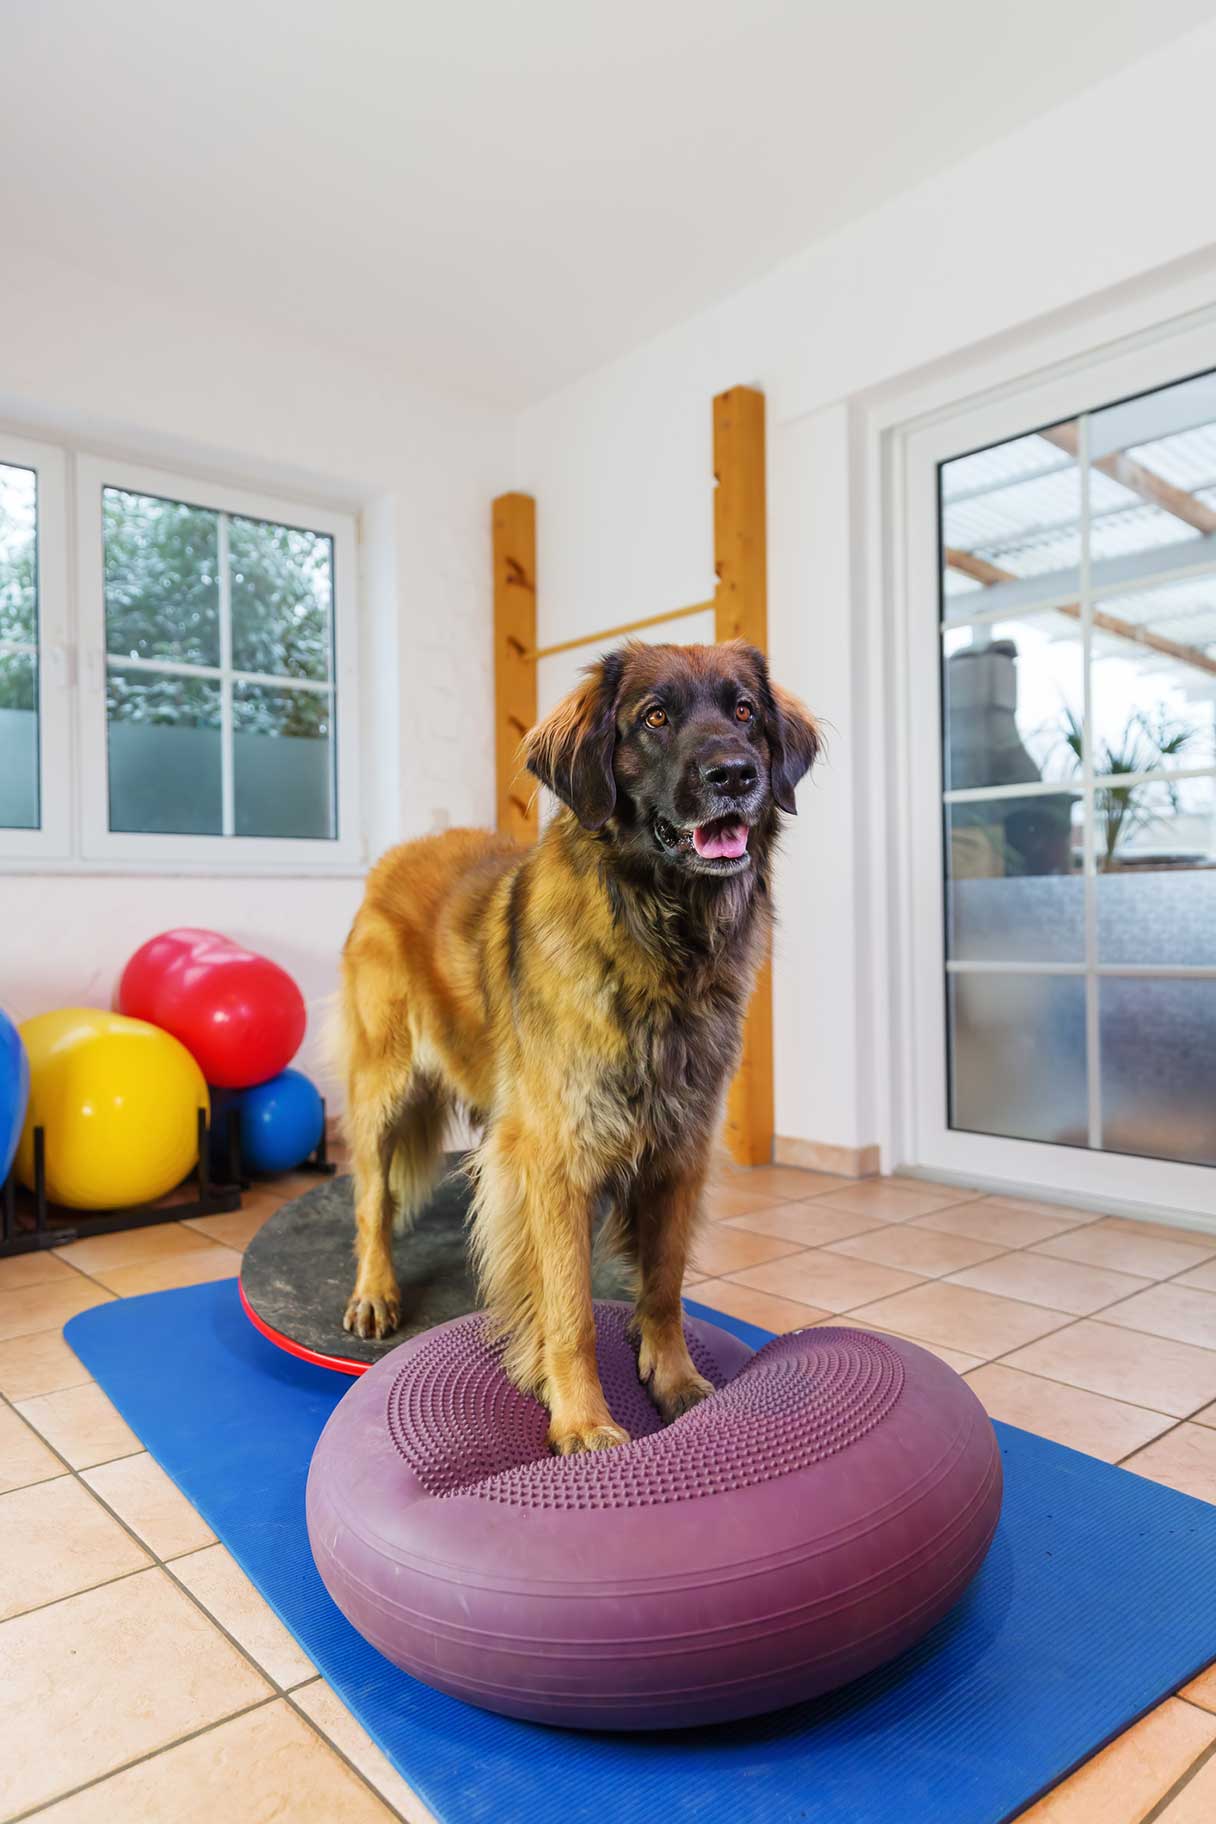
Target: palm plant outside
1146,744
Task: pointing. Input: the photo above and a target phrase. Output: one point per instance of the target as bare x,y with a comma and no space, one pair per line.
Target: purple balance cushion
810,1519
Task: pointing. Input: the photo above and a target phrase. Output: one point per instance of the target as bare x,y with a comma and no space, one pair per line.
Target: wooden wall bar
514,523
741,613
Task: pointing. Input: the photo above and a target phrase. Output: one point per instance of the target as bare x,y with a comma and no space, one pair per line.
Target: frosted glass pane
18,741
1017,1057
18,555
1015,893
282,599
161,579
1158,1046
1157,891
1014,695
283,767
164,754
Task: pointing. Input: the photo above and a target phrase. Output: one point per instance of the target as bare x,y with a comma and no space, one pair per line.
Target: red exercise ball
239,1015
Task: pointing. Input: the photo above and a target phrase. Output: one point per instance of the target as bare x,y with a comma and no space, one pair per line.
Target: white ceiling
497,195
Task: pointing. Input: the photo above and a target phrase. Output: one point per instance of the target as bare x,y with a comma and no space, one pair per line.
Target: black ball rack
29,1220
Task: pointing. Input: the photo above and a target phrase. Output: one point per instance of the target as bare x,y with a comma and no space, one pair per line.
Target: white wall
1083,200
66,939
109,369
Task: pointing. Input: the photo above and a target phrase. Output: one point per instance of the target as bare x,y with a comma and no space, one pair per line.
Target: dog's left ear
571,751
794,740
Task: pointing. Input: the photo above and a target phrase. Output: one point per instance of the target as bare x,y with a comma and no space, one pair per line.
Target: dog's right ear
571,751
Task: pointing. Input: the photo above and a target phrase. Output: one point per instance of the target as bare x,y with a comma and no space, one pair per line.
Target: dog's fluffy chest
676,1059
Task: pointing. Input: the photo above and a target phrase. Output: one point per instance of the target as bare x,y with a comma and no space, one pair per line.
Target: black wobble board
299,1269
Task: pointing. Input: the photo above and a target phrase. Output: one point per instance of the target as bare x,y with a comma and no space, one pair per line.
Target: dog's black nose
734,777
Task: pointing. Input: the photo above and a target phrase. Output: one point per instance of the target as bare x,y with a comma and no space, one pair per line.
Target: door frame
1083,360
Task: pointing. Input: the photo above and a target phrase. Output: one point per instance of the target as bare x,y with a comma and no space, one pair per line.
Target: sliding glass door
1072,627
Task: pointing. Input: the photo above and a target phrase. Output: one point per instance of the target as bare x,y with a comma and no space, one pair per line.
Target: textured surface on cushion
463,1429
810,1518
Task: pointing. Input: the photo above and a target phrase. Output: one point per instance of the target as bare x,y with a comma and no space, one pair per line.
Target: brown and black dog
584,1000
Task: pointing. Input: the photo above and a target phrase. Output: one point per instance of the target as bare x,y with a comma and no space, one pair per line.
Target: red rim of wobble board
342,1364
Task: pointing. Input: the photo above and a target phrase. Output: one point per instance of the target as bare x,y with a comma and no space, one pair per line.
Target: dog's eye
743,712
656,717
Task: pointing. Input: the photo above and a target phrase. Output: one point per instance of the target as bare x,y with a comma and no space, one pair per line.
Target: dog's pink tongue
727,840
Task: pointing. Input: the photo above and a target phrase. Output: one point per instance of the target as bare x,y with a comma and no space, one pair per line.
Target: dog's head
679,754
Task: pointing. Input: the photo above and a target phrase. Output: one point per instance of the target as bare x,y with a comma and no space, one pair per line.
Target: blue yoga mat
1097,1599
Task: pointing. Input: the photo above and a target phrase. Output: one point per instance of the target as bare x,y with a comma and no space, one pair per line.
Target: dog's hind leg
376,1091
396,1122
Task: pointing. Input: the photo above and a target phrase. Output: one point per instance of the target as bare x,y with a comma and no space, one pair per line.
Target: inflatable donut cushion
810,1519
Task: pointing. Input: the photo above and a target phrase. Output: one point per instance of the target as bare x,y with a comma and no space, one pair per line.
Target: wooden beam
1138,480
988,574
741,613
977,568
615,633
514,536
1193,656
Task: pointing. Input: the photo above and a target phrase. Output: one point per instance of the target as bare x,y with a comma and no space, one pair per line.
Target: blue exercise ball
281,1122
14,1092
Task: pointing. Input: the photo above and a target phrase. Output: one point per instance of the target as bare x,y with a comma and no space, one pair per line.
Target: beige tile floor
143,1679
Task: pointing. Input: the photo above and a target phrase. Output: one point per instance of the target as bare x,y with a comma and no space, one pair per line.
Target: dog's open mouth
722,839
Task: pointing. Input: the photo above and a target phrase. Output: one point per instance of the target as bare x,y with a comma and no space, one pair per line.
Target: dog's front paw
665,1370
567,1440
371,1317
679,1396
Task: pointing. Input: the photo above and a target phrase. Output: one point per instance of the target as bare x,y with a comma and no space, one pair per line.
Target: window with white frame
213,715
20,771
219,672
1078,655
35,716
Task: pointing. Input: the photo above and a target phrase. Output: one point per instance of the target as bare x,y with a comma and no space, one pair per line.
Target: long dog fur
584,1007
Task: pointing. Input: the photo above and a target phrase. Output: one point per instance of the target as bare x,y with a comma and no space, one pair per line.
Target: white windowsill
187,870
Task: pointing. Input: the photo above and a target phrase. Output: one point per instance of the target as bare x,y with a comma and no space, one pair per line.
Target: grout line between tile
87,1589
138,1760
991,1360
1074,1319
895,1222
155,1561
289,1699
1184,1780
180,1557
1168,1432
58,1255
7,1405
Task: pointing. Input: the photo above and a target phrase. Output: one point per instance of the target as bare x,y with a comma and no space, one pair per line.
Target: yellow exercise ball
118,1100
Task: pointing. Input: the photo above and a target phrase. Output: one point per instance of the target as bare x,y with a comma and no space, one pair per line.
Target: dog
583,1000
